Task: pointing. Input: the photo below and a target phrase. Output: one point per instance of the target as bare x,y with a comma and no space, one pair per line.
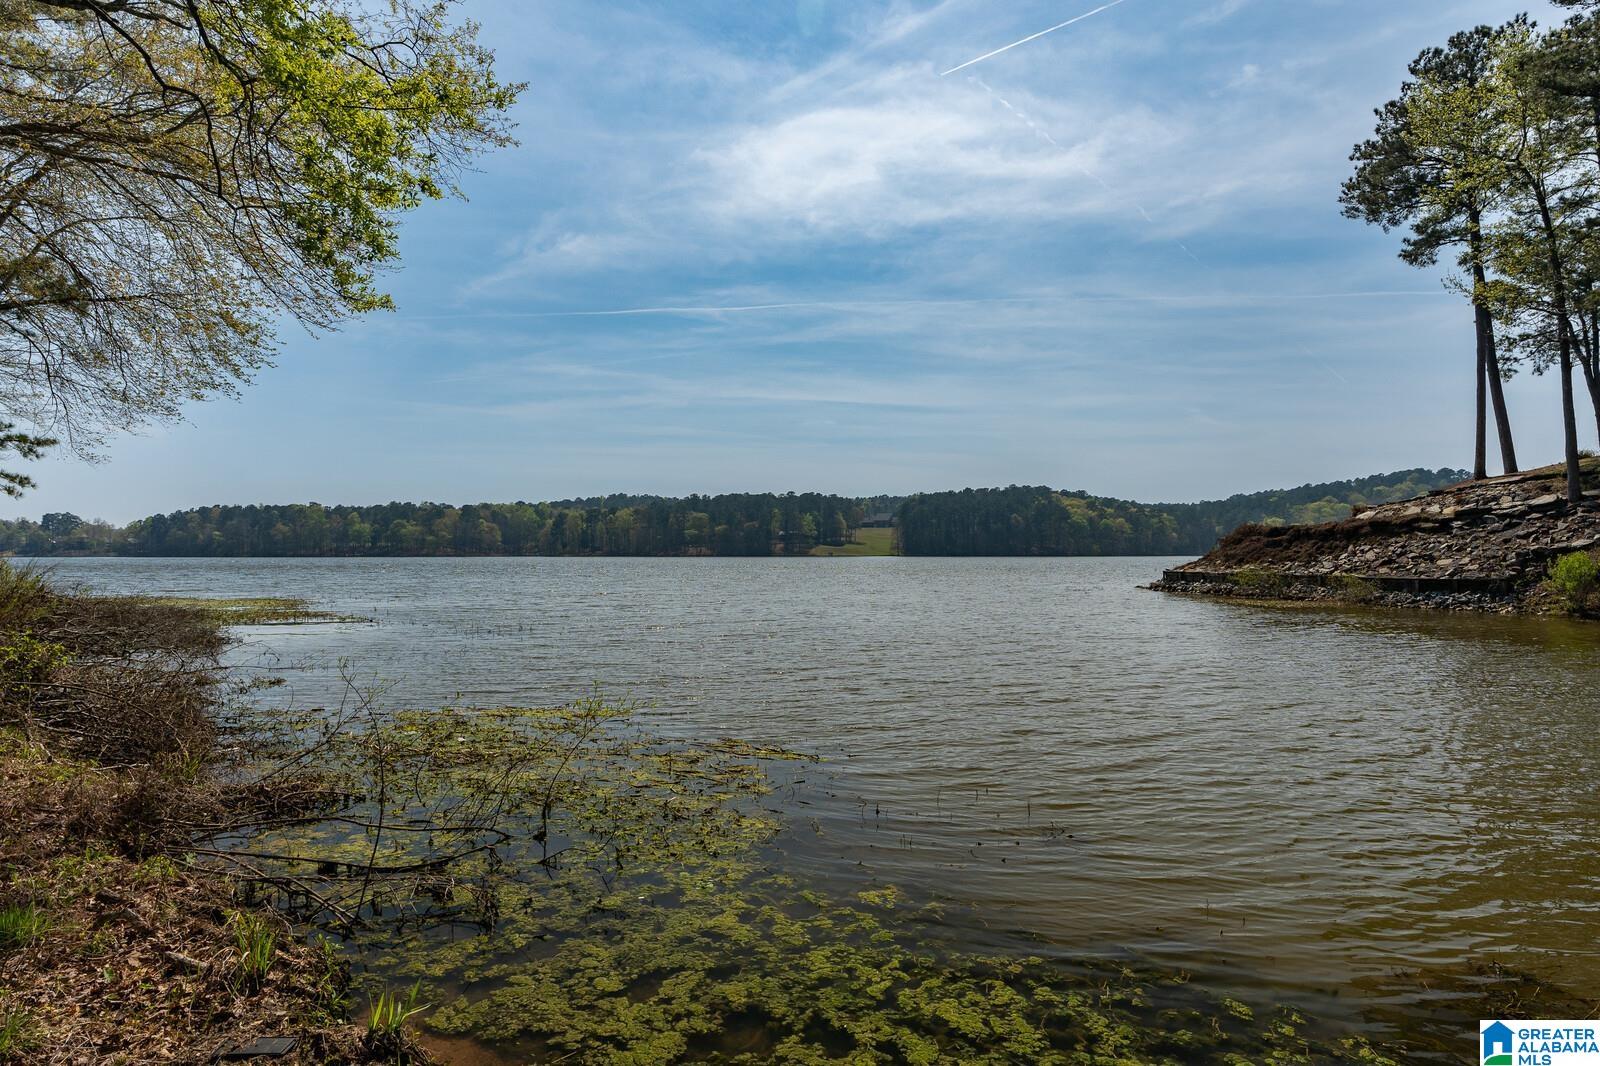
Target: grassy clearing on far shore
867,542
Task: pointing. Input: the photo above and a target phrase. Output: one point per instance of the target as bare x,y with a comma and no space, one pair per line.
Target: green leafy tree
697,529
1568,64
178,175
1525,144
60,523
1425,178
26,446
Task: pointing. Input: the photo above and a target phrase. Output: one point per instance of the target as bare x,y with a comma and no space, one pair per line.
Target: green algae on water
566,885
255,611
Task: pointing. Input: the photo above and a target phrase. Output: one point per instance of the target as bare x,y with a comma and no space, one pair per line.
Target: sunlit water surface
1291,803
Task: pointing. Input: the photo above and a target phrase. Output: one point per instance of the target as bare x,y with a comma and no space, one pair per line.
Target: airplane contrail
1035,37
865,305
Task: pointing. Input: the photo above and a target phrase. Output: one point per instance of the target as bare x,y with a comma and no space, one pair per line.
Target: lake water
1294,803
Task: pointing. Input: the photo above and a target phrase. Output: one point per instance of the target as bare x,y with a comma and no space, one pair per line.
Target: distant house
881,520
1497,1045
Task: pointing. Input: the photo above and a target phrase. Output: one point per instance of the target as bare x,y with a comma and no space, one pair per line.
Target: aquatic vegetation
387,1015
389,1011
428,817
564,883
736,975
253,611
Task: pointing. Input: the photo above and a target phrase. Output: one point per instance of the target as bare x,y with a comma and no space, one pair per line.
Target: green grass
386,1023
1259,581
17,1034
1348,588
20,925
258,946
867,542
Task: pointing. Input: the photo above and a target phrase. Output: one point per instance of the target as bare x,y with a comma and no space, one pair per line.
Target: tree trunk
1569,417
1590,362
1591,359
1497,395
1488,357
1569,420
1480,469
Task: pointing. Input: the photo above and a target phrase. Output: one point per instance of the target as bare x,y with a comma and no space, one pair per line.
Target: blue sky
769,247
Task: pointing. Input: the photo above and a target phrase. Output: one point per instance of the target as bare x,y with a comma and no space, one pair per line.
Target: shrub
113,682
26,663
1575,577
25,598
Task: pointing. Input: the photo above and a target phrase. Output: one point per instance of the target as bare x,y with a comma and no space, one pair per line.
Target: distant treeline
1011,521
1028,520
740,524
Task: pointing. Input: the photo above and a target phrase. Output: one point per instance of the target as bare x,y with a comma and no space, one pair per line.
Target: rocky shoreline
1304,592
1479,546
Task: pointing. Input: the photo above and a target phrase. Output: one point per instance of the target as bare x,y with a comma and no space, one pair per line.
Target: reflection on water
1301,800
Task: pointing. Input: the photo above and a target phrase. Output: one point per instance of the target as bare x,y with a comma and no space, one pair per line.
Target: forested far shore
1041,521
1025,520
734,524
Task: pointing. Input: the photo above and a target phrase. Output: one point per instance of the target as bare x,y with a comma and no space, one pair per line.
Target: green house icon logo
1497,1044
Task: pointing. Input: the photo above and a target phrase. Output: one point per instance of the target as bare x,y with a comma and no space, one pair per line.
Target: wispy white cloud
896,153
867,144
1248,74
550,247
1219,12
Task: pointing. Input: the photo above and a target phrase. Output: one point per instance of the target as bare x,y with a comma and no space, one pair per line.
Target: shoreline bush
1575,578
